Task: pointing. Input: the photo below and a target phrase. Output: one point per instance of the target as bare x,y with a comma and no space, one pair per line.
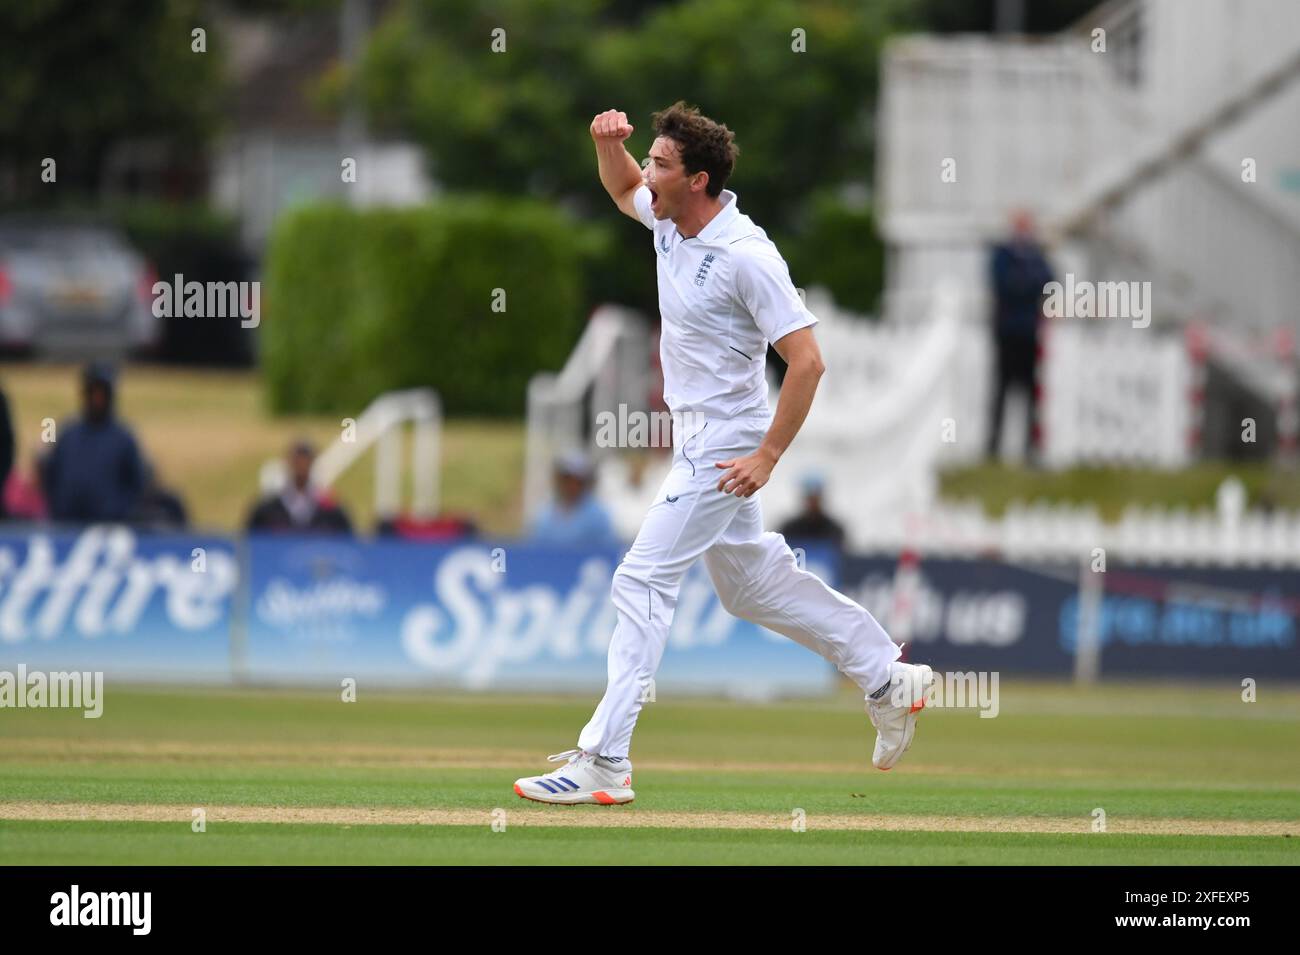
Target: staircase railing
609,366
382,426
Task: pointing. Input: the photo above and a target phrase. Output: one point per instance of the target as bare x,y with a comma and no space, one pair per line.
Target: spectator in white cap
574,516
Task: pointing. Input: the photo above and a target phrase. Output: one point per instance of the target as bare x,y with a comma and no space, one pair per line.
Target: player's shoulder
744,238
752,250
742,234
661,234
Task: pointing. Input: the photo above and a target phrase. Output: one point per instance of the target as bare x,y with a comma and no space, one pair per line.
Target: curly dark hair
705,146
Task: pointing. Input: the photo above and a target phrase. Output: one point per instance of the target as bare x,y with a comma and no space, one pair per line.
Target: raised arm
620,174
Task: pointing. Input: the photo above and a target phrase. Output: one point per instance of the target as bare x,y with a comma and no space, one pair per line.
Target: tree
515,120
79,78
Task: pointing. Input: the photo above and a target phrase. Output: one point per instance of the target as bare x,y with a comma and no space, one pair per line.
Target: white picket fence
1068,533
1114,396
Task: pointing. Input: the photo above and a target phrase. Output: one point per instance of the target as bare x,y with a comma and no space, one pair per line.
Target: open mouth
654,196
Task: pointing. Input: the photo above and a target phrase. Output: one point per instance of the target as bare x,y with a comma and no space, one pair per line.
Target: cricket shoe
584,778
894,714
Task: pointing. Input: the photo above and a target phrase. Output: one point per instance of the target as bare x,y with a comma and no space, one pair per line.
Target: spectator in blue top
1019,271
95,472
575,516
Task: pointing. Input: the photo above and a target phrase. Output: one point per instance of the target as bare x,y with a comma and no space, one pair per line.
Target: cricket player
724,294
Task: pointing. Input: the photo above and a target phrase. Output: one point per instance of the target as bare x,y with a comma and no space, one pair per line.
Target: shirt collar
725,215
300,504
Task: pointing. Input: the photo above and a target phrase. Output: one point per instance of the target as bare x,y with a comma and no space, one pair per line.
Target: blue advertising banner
485,615
971,614
110,599
1152,621
528,616
1195,621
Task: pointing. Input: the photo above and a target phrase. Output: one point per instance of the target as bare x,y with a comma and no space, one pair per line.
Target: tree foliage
795,80
81,77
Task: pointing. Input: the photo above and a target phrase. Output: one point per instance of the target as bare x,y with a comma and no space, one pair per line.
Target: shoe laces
568,757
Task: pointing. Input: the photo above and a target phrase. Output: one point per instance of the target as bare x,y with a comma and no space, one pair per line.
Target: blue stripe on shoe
547,786
566,779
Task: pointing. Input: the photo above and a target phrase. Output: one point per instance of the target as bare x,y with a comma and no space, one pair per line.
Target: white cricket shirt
723,295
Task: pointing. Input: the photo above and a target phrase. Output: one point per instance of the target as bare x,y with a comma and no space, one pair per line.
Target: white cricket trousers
754,573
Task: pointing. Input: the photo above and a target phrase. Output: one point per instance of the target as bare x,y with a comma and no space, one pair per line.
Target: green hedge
359,302
165,231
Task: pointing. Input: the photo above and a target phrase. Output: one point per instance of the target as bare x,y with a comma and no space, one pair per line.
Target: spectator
23,499
158,508
1019,272
575,516
94,472
6,448
813,523
299,506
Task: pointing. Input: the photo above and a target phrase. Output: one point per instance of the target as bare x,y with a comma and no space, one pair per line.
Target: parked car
74,290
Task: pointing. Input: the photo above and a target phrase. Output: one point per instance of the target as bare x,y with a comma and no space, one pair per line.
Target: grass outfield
1113,489
1185,775
127,843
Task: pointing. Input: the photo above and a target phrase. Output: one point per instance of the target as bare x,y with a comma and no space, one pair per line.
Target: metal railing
383,426
1038,530
609,366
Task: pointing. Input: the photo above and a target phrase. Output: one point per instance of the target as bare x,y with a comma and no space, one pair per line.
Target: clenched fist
611,125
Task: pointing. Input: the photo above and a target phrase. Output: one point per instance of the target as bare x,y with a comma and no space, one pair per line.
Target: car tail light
6,287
